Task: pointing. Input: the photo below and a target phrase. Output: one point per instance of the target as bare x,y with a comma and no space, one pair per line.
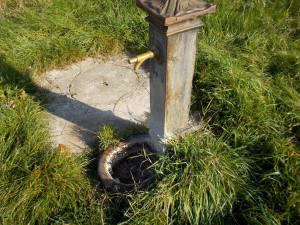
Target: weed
107,136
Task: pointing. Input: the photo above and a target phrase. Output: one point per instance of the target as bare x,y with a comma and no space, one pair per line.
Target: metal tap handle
140,59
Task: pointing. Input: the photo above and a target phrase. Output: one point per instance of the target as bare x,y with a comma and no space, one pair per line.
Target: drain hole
134,168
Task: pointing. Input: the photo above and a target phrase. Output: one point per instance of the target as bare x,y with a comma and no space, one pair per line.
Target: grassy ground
243,168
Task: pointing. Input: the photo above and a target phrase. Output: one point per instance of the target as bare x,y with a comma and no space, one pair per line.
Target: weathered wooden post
173,38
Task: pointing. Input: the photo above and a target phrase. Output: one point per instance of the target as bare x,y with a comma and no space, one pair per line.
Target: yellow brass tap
140,59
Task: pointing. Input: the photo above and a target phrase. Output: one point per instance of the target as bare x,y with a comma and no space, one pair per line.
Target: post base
159,141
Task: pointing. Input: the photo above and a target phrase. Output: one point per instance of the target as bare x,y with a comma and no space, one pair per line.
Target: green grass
242,168
198,182
39,184
44,34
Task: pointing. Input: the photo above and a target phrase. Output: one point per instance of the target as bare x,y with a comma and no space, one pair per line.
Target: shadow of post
87,119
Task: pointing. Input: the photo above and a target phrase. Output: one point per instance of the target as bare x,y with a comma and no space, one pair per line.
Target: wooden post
173,33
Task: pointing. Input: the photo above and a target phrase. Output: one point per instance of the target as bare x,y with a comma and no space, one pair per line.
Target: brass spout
140,59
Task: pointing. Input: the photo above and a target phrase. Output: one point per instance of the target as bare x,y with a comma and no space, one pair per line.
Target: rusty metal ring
111,156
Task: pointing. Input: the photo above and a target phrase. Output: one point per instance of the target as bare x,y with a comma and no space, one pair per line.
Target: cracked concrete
84,96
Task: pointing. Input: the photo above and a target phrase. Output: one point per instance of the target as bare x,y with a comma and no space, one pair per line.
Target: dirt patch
135,168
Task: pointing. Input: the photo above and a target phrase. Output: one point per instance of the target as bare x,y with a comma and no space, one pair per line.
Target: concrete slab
84,96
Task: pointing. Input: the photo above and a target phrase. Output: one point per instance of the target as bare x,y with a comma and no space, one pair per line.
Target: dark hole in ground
134,168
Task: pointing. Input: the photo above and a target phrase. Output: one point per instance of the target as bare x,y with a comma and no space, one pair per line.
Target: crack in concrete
123,96
135,118
70,93
62,131
84,112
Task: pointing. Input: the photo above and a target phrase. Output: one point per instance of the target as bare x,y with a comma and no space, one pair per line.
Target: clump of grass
44,34
247,82
39,184
109,135
198,182
5,5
